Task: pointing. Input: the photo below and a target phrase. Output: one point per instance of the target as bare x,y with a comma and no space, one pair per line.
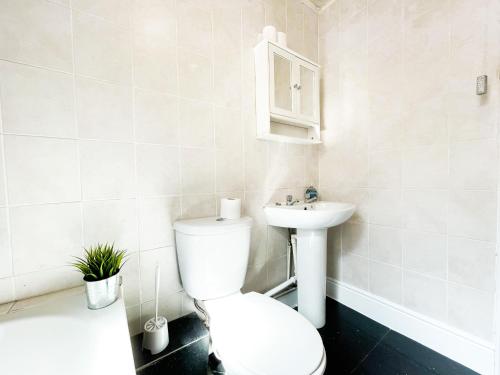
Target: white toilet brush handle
157,291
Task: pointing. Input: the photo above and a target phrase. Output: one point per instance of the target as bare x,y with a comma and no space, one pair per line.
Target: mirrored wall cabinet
287,95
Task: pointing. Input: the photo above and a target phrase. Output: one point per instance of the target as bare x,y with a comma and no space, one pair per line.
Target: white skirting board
477,354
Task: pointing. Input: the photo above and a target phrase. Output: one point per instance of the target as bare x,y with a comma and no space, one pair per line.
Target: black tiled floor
354,344
357,345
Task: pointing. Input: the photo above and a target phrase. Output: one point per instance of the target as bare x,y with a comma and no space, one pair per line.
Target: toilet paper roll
282,39
230,208
269,33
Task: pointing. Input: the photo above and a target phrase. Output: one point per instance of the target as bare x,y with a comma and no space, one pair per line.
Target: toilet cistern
312,221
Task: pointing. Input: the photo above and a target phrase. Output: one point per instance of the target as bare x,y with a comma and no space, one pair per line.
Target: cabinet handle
297,86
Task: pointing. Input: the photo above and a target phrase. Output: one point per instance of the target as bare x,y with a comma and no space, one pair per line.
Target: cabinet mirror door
281,89
308,92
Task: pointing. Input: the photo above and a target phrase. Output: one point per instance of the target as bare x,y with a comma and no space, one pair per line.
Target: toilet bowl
255,334
252,334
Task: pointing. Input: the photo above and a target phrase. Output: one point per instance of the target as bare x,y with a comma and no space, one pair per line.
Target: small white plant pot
155,336
102,293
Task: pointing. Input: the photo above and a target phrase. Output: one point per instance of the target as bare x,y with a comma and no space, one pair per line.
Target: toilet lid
264,336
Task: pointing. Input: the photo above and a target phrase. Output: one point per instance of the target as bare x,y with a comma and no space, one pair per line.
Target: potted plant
100,267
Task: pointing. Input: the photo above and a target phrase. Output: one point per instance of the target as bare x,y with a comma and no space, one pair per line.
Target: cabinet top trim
266,43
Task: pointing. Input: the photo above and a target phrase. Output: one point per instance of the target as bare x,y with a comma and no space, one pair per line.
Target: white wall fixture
311,222
287,95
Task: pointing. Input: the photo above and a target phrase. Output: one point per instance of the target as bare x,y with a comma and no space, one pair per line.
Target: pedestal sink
312,221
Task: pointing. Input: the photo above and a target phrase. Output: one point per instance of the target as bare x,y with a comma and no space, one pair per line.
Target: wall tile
157,216
170,281
355,238
472,214
130,273
6,290
472,263
5,251
156,118
386,281
471,310
227,79
385,244
104,110
425,210
132,69
471,164
277,242
334,252
155,64
41,170
425,253
385,170
41,36
107,170
196,124
170,307
194,206
195,76
112,221
157,170
253,17
426,167
228,128
385,207
230,172
195,28
134,320
424,294
43,282
431,151
227,26
156,19
45,236
276,272
356,271
36,101
102,51
198,171
116,11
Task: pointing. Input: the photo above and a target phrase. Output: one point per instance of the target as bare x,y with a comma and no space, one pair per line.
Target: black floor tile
348,337
397,354
192,360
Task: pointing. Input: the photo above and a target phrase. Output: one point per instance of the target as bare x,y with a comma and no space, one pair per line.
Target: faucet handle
311,194
289,198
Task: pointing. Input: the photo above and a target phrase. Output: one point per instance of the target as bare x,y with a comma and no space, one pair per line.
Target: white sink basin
312,221
317,215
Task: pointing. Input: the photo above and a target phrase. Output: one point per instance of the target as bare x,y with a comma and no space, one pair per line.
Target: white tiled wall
410,143
119,117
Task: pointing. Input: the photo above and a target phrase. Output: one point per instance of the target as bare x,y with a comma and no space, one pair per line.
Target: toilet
252,334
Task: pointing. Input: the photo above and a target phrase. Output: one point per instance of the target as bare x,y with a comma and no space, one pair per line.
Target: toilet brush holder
155,335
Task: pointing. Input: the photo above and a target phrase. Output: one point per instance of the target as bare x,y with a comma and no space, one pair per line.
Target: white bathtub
63,337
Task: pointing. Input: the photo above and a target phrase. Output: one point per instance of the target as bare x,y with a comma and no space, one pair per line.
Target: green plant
100,262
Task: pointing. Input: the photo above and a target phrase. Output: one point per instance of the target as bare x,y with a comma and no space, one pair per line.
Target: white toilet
251,334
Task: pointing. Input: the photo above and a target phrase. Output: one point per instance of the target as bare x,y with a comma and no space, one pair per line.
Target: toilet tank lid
211,225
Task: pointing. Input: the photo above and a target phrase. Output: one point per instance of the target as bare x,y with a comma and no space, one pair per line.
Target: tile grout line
370,352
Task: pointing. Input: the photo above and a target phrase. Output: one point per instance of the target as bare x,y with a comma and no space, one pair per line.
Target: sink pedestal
311,274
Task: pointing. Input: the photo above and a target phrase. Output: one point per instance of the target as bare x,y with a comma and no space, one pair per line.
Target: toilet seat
256,335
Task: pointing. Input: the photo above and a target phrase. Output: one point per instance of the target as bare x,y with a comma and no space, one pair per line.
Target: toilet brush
156,329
